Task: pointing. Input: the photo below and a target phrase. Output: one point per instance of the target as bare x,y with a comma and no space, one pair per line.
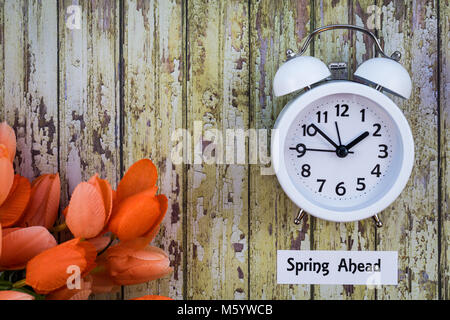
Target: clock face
343,151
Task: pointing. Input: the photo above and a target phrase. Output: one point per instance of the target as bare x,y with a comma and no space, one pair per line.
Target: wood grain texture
28,41
411,226
444,172
89,96
276,27
217,194
352,48
153,109
208,66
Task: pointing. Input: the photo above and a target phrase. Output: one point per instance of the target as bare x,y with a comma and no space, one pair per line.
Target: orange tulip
138,212
8,139
133,262
90,208
19,245
14,206
65,293
15,295
42,209
152,297
101,280
48,271
6,173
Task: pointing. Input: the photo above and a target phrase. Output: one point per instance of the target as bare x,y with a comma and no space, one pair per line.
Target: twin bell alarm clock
342,150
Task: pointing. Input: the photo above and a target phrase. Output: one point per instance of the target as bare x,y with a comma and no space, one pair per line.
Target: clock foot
300,215
378,222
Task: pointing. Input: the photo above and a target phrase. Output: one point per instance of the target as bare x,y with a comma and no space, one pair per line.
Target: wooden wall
98,98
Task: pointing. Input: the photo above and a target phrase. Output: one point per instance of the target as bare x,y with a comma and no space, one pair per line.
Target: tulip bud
134,262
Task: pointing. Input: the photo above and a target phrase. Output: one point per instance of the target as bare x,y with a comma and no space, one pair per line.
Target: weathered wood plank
411,223
217,194
89,99
153,109
445,145
28,41
275,27
345,46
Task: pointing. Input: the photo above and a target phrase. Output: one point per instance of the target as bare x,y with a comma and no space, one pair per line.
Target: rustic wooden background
101,97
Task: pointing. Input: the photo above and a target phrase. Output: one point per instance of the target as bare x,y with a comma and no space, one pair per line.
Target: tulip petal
8,138
14,206
135,216
43,206
107,194
164,204
65,293
140,176
15,295
47,271
99,243
152,297
7,174
22,244
86,214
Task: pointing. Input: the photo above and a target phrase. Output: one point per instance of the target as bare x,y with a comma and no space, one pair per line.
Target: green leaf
30,292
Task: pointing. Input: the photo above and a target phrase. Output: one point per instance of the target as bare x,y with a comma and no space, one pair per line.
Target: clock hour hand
357,140
324,135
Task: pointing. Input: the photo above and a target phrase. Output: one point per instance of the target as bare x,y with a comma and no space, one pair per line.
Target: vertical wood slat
411,223
89,95
217,194
444,172
28,41
153,109
337,46
275,27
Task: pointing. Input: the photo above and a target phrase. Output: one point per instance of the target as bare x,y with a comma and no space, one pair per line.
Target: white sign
370,268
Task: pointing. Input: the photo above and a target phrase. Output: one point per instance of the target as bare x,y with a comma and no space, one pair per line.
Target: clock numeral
300,148
363,115
383,149
320,117
376,171
306,170
322,182
361,184
309,130
340,189
341,110
378,128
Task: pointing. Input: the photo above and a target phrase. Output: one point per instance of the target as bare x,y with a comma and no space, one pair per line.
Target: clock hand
337,130
324,135
301,149
357,140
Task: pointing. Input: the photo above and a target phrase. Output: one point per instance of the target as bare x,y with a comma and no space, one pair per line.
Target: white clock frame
289,114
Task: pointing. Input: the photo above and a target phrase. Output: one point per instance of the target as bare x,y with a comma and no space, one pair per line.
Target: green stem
20,284
59,228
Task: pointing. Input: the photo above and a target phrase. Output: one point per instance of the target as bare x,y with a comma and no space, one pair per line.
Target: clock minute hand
324,135
357,140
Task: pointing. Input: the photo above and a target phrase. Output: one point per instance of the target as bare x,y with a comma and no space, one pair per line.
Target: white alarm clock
342,150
